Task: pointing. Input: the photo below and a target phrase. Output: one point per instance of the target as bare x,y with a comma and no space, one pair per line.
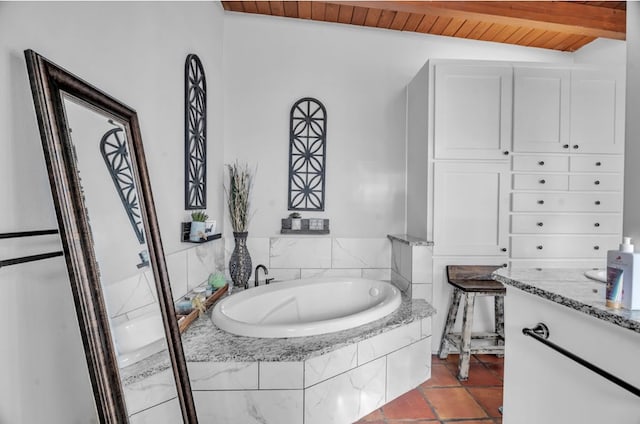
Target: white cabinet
472,113
541,110
597,111
472,206
574,110
542,386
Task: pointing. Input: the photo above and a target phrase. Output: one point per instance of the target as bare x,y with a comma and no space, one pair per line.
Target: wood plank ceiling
557,25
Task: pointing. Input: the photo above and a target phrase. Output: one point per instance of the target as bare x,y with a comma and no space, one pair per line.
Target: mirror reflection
111,200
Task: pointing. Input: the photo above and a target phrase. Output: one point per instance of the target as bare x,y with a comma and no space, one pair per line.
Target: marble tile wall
297,257
412,269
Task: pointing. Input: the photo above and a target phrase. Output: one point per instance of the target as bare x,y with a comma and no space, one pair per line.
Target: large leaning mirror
114,256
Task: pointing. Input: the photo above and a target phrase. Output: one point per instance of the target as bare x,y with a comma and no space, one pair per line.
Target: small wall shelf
304,230
186,229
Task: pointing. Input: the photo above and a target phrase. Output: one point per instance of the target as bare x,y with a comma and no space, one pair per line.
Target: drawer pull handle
575,146
597,182
542,181
539,247
565,146
597,224
597,202
541,163
596,247
598,163
541,202
540,224
504,249
506,152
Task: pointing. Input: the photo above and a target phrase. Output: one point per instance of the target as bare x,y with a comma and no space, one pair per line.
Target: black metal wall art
113,147
195,134
307,155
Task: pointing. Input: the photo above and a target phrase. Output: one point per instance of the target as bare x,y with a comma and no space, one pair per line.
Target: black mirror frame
48,81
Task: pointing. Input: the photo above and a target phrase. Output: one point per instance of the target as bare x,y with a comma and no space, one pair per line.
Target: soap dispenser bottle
623,276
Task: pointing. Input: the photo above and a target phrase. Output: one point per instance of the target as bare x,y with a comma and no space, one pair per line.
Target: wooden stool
472,280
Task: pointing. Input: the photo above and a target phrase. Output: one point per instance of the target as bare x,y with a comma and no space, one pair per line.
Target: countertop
569,287
204,342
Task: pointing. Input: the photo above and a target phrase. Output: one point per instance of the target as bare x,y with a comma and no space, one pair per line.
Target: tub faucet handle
268,280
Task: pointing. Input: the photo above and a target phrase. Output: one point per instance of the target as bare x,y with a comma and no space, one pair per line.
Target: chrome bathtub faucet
266,272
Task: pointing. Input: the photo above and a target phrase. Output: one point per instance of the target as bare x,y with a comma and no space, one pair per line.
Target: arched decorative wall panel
307,155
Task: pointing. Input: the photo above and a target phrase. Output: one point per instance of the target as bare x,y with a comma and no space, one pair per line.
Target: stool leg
448,326
499,320
465,343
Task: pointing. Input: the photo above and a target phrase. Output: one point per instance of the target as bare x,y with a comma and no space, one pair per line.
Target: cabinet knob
504,249
597,202
506,152
542,181
598,163
597,224
565,146
597,182
540,224
596,247
575,146
504,265
539,247
541,163
541,202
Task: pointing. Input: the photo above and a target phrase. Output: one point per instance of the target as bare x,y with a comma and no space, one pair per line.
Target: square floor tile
410,405
441,376
490,398
479,375
453,402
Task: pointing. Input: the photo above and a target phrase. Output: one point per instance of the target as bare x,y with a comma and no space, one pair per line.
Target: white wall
360,75
631,212
135,52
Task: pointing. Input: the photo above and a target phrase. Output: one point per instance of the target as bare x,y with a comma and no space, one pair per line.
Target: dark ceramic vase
240,261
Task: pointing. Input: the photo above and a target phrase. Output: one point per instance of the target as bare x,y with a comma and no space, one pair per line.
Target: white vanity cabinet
542,386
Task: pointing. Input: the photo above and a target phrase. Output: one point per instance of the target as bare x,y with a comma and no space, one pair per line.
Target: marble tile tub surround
294,257
569,287
333,378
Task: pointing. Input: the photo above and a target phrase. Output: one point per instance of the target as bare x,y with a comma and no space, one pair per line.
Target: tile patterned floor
445,400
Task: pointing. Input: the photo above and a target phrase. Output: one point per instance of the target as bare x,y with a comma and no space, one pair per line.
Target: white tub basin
139,338
306,307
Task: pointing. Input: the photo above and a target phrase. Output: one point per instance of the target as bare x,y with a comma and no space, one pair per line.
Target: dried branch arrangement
238,194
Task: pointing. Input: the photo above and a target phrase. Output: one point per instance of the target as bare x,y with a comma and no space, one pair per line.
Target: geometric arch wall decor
307,155
113,147
195,138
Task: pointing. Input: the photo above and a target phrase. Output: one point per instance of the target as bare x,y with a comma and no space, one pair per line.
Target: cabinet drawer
541,163
562,246
595,182
567,224
566,202
597,163
540,182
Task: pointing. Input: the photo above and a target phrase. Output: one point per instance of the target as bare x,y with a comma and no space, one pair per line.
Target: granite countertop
569,287
204,342
410,240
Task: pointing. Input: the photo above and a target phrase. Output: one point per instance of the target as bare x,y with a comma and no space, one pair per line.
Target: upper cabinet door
597,111
472,111
541,110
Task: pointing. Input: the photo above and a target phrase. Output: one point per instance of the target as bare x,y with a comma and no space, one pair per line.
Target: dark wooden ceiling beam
555,16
